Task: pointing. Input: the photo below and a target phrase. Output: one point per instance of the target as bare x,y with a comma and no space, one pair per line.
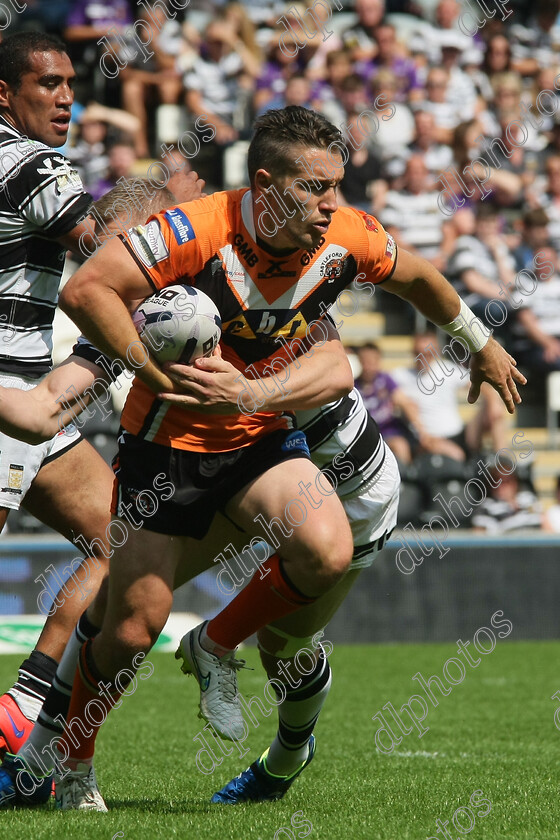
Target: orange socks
91,702
268,595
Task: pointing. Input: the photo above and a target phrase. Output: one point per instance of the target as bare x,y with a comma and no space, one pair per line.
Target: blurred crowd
452,119
417,98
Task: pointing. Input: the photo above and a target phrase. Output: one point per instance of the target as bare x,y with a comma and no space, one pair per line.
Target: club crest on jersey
15,480
391,248
370,223
333,269
66,176
180,225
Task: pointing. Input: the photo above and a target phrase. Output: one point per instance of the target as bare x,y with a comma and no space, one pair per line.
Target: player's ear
4,91
263,180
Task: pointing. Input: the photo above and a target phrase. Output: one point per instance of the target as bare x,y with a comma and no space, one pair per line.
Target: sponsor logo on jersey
296,441
391,248
180,225
141,247
66,176
15,480
244,249
369,222
307,257
275,269
152,232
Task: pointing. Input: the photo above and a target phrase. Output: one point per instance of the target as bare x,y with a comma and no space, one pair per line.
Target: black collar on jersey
276,252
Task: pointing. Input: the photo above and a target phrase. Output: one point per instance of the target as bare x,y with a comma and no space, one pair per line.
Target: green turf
495,732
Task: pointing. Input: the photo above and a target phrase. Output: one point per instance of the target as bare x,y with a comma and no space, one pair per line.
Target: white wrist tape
470,329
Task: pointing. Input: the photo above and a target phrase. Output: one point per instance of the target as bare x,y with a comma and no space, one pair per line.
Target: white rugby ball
178,324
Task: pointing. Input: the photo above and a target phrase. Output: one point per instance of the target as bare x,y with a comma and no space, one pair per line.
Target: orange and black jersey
266,302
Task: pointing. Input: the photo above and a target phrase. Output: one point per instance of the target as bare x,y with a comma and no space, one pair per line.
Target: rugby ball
178,324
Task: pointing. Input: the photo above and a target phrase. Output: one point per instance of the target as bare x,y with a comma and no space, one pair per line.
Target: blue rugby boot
256,784
20,787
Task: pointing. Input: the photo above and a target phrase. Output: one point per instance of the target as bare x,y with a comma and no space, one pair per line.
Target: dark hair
15,54
535,218
370,345
279,130
352,83
486,211
485,66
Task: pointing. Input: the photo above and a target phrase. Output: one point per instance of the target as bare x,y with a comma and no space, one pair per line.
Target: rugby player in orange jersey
265,287
44,211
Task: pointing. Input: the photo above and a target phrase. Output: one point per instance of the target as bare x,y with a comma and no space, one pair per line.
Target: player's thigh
310,528
72,493
141,576
200,555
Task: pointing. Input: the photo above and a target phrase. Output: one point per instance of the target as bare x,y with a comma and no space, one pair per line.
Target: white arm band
470,329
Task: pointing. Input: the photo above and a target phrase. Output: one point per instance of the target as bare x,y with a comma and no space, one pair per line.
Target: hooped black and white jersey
41,198
344,442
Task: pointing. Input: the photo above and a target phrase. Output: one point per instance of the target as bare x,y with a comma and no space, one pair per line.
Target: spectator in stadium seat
534,236
352,100
277,68
437,156
496,59
359,37
482,265
329,89
396,414
391,55
507,507
156,80
362,186
86,23
98,127
551,519
507,89
549,198
536,331
446,114
236,13
121,160
296,92
461,91
467,146
215,88
412,215
544,81
446,20
536,44
439,404
395,123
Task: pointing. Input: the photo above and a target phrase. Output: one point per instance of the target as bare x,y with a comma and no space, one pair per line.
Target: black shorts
177,492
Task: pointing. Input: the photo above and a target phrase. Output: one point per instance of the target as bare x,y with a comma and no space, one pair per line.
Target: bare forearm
309,383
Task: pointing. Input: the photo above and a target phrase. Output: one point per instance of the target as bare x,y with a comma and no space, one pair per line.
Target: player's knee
333,553
137,635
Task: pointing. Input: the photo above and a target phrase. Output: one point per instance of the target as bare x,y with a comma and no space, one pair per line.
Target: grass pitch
495,732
